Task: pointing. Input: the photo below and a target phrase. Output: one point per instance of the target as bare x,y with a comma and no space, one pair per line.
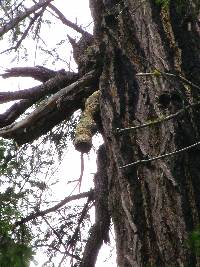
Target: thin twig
158,73
143,161
157,120
24,35
82,171
60,240
66,21
11,24
63,202
73,240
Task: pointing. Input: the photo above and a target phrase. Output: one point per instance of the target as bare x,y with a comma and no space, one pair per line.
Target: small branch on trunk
21,16
157,120
158,73
63,202
143,161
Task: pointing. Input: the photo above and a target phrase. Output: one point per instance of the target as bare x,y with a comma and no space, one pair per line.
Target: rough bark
153,206
99,231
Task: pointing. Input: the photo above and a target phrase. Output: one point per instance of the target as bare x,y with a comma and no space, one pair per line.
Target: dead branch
24,35
59,106
73,240
12,23
82,171
63,202
39,73
14,112
52,85
66,21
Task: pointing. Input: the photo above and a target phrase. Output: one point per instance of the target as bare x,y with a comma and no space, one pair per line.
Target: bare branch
51,86
60,240
82,171
62,104
66,21
39,73
63,202
12,23
24,35
72,242
14,112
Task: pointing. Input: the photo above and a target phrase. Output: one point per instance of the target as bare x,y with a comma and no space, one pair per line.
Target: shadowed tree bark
159,201
144,60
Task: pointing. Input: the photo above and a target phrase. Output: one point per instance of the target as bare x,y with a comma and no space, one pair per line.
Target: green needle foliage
163,3
194,241
15,249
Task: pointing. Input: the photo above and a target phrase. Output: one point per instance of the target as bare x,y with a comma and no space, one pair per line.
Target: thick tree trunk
154,206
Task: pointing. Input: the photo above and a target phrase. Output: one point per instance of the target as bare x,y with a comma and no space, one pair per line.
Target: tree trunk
154,204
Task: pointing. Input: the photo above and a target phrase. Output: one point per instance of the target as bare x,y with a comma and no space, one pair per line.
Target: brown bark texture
154,206
143,65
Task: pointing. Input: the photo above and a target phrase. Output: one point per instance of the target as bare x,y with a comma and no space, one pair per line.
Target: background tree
137,85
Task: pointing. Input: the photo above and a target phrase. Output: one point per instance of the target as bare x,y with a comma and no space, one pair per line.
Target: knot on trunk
85,52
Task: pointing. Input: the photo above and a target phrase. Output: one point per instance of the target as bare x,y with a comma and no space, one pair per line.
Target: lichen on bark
87,126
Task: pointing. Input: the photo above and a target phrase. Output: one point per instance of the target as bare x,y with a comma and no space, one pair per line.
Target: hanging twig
143,161
82,171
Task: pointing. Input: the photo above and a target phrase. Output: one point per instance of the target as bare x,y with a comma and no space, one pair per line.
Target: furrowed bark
154,206
99,232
